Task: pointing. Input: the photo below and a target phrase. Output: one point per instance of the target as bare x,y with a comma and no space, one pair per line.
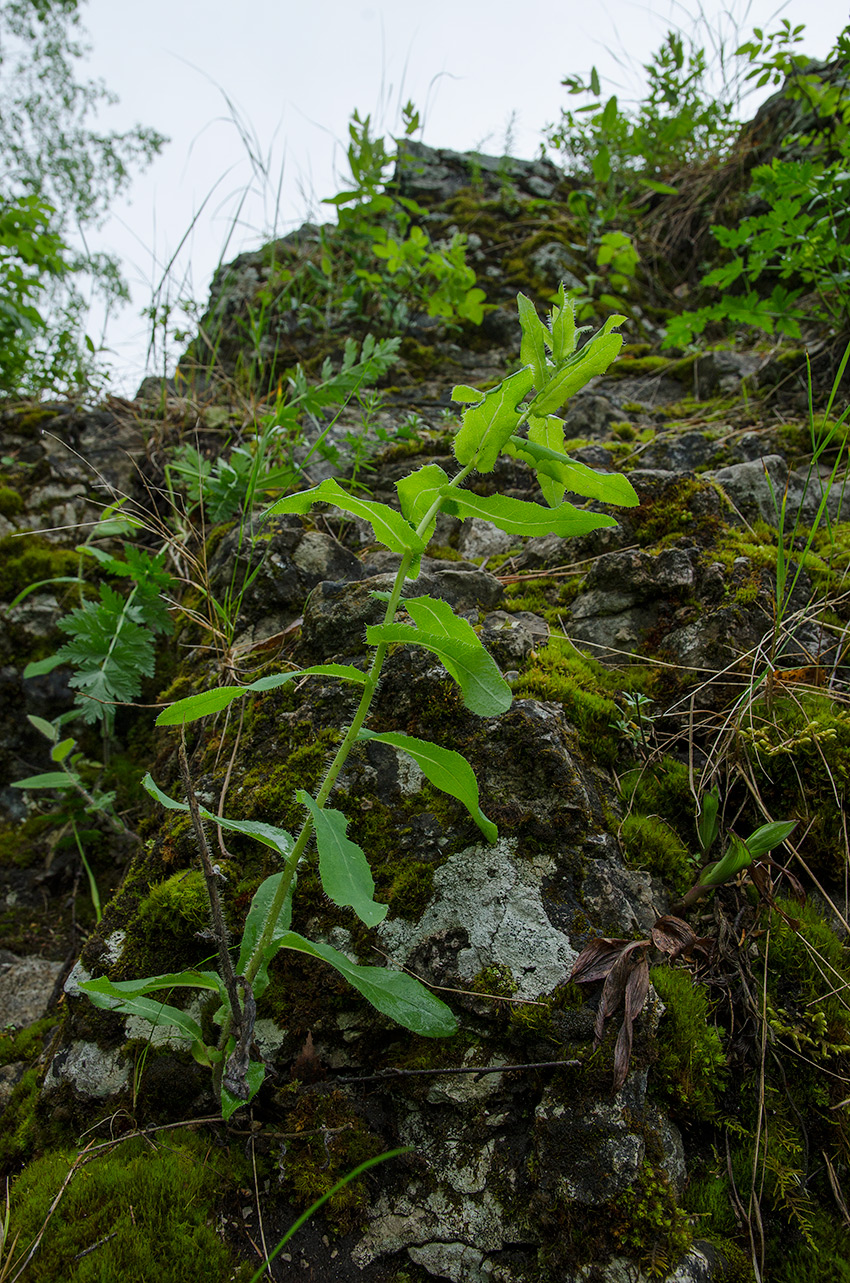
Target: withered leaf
637,988
596,960
616,982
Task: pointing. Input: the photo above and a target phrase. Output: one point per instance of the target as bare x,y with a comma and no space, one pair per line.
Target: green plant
112,643
491,425
57,177
68,779
378,263
635,723
789,264
740,853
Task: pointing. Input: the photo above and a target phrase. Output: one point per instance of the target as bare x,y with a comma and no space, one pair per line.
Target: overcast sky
483,75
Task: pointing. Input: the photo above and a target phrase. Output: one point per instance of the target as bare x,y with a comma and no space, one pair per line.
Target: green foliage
112,646
378,265
58,175
124,1202
790,263
690,1069
647,1221
491,425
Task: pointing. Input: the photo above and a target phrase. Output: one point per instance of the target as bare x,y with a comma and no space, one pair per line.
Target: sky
279,79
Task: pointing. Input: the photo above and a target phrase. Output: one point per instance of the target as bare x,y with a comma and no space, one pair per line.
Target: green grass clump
690,1069
649,843
148,1211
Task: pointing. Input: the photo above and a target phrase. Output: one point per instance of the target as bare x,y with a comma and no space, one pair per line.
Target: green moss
667,515
137,1212
411,889
690,1069
177,905
647,1222
663,788
11,502
560,672
29,560
331,1139
268,791
651,844
25,1044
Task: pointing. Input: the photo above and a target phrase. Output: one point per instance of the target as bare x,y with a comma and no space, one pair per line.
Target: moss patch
137,1212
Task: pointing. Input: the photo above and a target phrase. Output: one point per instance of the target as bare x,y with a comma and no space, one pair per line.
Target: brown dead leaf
637,988
307,1067
596,960
677,938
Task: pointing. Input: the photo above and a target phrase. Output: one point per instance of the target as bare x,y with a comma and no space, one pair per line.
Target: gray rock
487,909
591,1150
336,615
756,489
511,638
482,539
88,1069
721,373
26,985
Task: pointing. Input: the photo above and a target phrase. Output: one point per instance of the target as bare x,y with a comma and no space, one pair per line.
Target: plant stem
219,925
369,688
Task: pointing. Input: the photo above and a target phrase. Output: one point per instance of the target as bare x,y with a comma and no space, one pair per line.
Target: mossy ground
138,1211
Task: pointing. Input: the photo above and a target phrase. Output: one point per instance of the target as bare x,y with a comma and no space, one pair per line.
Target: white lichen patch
496,900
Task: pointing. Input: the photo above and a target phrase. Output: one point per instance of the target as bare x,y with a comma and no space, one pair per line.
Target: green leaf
607,487
534,339
47,729
110,652
563,327
394,993
518,517
707,825
60,751
447,770
594,358
128,998
768,836
343,867
418,491
106,990
50,780
254,924
194,707
346,672
736,859
278,839
41,666
487,426
255,1075
466,395
389,526
483,687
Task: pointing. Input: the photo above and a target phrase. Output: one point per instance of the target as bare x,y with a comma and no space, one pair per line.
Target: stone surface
26,985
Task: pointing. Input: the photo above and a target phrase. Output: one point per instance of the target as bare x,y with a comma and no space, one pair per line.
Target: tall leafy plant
517,417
